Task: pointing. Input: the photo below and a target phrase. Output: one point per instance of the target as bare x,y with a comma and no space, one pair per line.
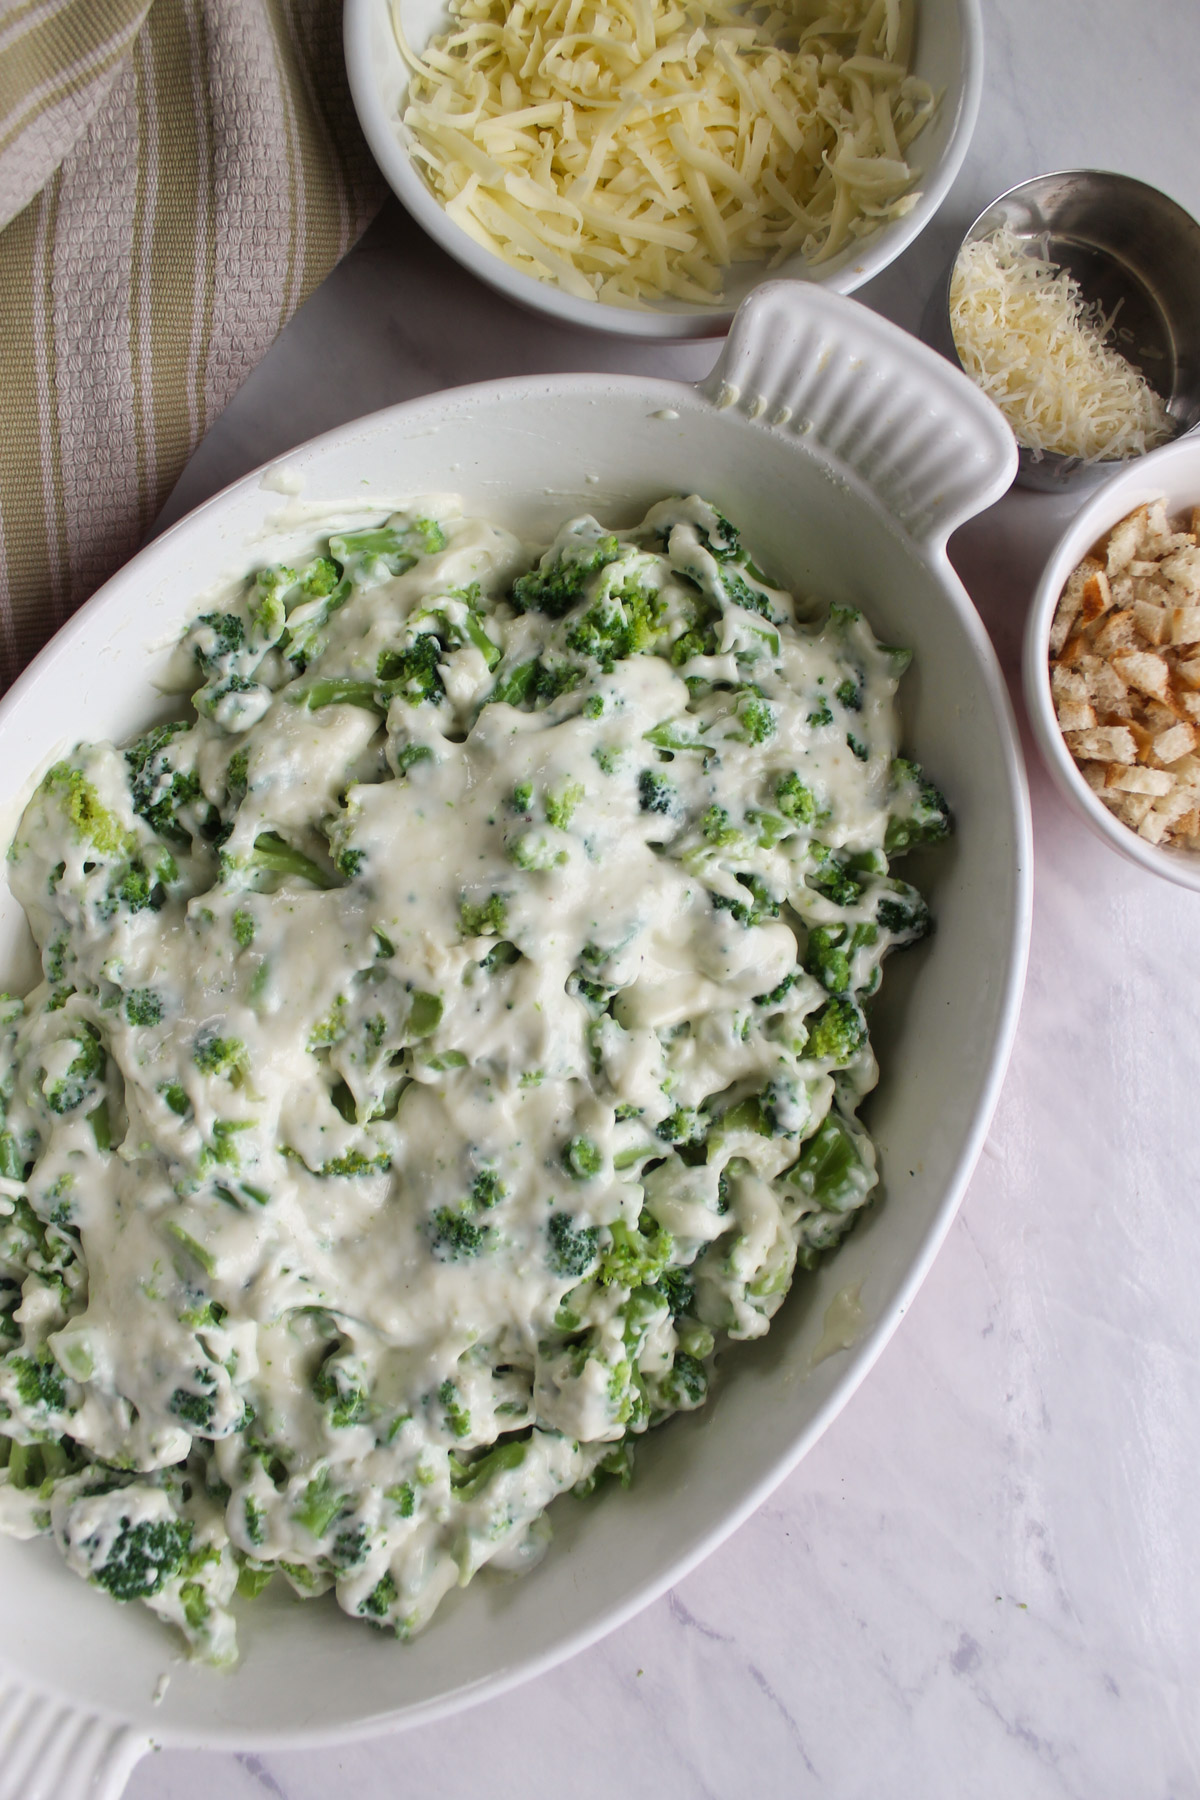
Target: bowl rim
1144,479
932,553
659,323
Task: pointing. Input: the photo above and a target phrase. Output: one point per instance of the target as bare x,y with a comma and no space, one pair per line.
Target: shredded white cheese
632,150
1024,332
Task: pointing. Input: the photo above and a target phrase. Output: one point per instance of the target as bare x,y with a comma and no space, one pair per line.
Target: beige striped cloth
176,176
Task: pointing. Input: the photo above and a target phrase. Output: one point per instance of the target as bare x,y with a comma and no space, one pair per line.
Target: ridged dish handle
880,404
49,1751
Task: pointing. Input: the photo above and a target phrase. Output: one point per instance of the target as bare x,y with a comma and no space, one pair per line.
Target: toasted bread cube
1185,624
1190,704
1095,774
1124,543
1188,824
1188,671
1075,715
1131,809
1068,684
1137,780
1153,621
1157,536
1144,670
1104,743
1095,599
1175,742
1181,570
1153,827
1118,632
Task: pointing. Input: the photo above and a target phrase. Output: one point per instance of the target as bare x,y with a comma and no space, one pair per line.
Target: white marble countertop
985,1579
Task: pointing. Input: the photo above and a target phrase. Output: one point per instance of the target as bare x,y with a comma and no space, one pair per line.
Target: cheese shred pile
1024,332
632,150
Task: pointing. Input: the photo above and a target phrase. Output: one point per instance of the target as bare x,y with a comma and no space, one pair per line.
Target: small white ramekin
1174,474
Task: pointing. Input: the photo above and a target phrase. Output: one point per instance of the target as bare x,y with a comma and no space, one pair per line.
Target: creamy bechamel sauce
450,1035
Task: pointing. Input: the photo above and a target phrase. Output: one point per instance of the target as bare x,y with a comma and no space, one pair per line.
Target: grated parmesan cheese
632,150
1024,332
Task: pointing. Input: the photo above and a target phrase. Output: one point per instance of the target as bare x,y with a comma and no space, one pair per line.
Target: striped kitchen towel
176,176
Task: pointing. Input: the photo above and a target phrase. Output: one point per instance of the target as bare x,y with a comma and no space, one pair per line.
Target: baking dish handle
50,1751
880,405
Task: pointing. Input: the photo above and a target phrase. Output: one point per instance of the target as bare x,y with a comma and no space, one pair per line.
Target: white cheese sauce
450,1034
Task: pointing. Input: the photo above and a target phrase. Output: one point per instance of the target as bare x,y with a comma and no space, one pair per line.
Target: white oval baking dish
847,452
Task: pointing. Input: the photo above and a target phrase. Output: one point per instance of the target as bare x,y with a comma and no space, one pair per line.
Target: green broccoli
216,1055
143,1006
904,913
320,1504
635,1258
656,794
572,1252
196,1405
794,800
93,823
83,1073
381,1599
457,1416
414,674
830,1169
836,1033
677,1289
143,1557
918,813
486,919
455,1235
557,583
340,1389
158,789
832,879
397,545
468,1480
279,858
627,620
583,1159
39,1381
686,1383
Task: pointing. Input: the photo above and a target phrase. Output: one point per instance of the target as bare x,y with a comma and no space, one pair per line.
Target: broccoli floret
656,794
243,927
216,1055
677,1289
686,1385
487,1189
627,620
918,813
827,957
558,582
560,806
397,546
832,879
857,747
272,853
684,1126
794,800
455,1235
83,1072
143,1557
228,637
830,1170
355,1163
572,1252
159,790
487,919
320,1504
583,1159
904,913
776,995
93,823
143,1006
756,717
635,1258
39,1381
457,1416
849,692
821,714
381,1599
716,828
414,673
195,1406
468,1480
339,1388
533,684
740,593
836,1033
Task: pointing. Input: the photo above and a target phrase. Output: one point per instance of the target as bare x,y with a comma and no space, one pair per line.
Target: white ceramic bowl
847,452
948,55
1173,472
